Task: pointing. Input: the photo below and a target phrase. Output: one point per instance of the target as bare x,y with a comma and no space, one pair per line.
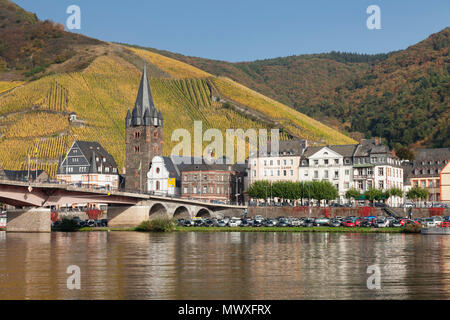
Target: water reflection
126,265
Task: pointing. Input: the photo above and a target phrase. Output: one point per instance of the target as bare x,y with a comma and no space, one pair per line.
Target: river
198,265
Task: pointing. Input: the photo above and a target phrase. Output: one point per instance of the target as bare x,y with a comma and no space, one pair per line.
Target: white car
259,219
234,222
381,223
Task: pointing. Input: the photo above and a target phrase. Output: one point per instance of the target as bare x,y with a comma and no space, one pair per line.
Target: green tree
352,194
259,189
405,153
417,193
373,194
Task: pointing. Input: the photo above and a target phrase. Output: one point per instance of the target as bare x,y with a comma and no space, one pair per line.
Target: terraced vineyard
34,116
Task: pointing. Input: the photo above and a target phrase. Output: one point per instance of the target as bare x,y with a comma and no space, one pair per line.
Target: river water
131,265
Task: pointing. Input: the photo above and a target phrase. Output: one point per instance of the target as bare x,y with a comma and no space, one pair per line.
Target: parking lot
347,222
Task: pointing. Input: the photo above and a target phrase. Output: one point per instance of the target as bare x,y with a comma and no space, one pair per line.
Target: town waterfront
229,265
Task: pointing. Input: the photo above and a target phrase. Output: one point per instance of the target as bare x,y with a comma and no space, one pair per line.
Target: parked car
259,219
381,223
334,223
348,223
365,224
321,221
188,223
308,222
221,223
395,224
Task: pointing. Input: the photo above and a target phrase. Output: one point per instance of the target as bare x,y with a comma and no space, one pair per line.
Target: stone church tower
143,137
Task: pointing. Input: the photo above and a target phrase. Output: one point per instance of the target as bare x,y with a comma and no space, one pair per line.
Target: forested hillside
400,96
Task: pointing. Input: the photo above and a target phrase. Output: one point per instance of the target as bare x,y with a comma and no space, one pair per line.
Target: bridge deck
112,193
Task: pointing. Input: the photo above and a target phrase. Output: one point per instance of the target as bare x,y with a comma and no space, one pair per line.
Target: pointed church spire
144,103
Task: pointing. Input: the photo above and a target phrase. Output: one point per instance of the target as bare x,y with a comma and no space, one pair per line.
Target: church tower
143,137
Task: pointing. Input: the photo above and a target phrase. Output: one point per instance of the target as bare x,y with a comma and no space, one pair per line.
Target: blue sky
246,30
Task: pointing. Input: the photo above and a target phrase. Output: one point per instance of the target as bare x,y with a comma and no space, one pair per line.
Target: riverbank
262,229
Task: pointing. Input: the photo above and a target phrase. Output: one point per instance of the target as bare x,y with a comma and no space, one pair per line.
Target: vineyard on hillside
34,124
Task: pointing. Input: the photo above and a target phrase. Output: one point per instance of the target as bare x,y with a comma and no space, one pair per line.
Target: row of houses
369,164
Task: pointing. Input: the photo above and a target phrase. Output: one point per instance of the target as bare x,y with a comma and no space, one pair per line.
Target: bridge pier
29,220
127,216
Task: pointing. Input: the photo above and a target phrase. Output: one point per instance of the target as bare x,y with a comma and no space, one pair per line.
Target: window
316,174
284,162
265,162
360,185
381,184
347,161
316,161
265,173
292,173
347,172
205,189
195,190
336,174
157,170
137,135
185,190
136,149
336,161
254,173
278,162
104,159
115,170
157,185
271,173
155,135
107,169
278,173
271,162
254,162
326,174
325,161
292,162
284,173
380,172
347,185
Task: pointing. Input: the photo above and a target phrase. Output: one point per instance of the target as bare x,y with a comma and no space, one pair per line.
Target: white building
281,166
164,177
88,164
331,163
376,167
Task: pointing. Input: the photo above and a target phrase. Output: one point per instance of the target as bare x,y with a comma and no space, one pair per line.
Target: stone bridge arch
204,213
158,210
181,212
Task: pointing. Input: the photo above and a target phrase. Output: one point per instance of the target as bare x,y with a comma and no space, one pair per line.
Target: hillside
102,85
400,96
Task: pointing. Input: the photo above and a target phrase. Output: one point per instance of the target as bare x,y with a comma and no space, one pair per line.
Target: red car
349,223
404,222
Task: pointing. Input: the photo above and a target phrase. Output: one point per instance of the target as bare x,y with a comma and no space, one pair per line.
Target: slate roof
429,162
92,150
346,150
144,108
289,147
